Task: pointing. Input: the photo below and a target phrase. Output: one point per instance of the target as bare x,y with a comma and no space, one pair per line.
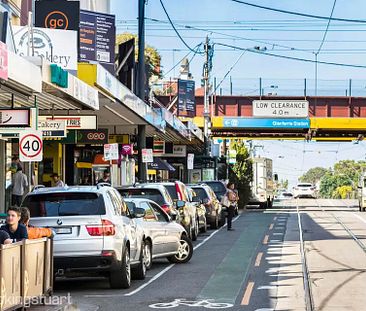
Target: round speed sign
31,146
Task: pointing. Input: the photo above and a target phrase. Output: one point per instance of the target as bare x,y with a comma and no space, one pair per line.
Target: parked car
187,210
163,237
215,214
201,211
157,193
304,190
95,233
217,186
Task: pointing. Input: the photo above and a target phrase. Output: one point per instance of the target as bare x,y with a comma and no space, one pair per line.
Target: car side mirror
180,204
139,212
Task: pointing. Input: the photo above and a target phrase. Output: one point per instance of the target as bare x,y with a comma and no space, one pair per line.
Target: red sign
127,149
3,61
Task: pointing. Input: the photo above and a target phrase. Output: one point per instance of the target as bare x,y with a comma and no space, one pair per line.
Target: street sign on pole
31,146
111,152
147,156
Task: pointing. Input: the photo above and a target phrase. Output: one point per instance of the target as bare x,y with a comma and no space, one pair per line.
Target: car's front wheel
121,277
185,251
195,230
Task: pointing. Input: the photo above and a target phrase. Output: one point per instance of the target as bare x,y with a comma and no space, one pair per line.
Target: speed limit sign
31,146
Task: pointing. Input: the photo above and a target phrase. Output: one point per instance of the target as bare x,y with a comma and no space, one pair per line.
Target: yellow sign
119,139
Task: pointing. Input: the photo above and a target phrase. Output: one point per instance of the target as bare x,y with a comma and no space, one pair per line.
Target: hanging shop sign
52,128
111,152
15,118
119,138
186,98
57,14
158,147
147,155
190,161
59,76
93,137
3,61
97,38
74,122
180,150
55,46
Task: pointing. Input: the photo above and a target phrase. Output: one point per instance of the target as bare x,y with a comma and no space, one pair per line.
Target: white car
304,190
95,232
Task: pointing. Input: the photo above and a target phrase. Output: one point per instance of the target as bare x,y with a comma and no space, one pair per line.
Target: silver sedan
163,237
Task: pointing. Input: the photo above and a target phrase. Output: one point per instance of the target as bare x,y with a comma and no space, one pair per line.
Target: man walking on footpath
231,199
20,184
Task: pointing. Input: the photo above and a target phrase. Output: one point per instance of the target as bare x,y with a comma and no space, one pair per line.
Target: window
151,194
149,212
116,207
160,214
65,204
122,207
201,193
131,206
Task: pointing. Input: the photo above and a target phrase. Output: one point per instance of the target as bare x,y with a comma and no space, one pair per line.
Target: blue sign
266,123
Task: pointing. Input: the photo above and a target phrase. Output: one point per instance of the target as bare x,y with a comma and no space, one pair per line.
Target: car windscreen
305,185
287,194
217,186
201,193
65,204
151,194
172,191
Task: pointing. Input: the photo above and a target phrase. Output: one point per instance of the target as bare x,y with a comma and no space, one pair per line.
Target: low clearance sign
281,108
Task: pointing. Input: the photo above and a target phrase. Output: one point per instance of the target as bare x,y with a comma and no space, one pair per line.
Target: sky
246,27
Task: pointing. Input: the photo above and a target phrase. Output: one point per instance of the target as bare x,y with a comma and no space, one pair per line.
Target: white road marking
267,287
161,273
360,218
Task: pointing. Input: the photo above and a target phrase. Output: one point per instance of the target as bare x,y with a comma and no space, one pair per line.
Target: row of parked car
118,232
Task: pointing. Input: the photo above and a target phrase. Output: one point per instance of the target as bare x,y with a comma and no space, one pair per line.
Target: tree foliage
242,172
314,175
152,56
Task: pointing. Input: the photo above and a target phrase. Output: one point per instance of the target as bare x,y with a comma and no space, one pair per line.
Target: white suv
304,190
95,233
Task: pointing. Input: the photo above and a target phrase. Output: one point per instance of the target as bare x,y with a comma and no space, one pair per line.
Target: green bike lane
217,272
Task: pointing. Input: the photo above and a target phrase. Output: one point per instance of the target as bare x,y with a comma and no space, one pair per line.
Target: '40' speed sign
31,146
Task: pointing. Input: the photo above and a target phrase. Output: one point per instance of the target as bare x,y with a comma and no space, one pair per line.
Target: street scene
189,156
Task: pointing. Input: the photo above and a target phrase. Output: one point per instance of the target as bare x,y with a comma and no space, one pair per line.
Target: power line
176,31
230,69
210,31
290,57
326,29
298,13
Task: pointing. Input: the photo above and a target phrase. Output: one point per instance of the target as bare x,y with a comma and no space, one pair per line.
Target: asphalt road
259,266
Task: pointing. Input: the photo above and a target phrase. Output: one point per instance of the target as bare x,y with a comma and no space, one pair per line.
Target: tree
314,175
152,56
241,172
331,185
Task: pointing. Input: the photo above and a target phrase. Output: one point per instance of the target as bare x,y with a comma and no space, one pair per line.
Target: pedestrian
5,238
15,163
57,180
34,232
20,184
231,201
16,231
106,178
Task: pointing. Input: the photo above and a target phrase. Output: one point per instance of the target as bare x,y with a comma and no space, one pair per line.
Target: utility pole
140,91
206,110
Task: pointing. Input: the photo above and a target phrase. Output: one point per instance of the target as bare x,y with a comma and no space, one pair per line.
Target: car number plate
67,230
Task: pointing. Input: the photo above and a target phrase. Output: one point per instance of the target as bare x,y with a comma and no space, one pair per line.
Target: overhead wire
176,31
299,13
291,57
327,28
228,72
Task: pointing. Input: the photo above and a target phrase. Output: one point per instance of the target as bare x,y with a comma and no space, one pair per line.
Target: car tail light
107,228
179,193
166,208
107,253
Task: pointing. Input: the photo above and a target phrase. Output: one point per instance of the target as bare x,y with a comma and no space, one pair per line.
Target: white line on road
161,273
360,218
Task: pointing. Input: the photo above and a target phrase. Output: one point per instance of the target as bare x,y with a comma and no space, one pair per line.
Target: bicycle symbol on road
208,304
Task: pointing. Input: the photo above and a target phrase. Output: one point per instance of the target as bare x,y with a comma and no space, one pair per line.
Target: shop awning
160,165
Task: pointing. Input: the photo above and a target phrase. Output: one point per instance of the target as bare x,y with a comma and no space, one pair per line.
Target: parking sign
31,146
